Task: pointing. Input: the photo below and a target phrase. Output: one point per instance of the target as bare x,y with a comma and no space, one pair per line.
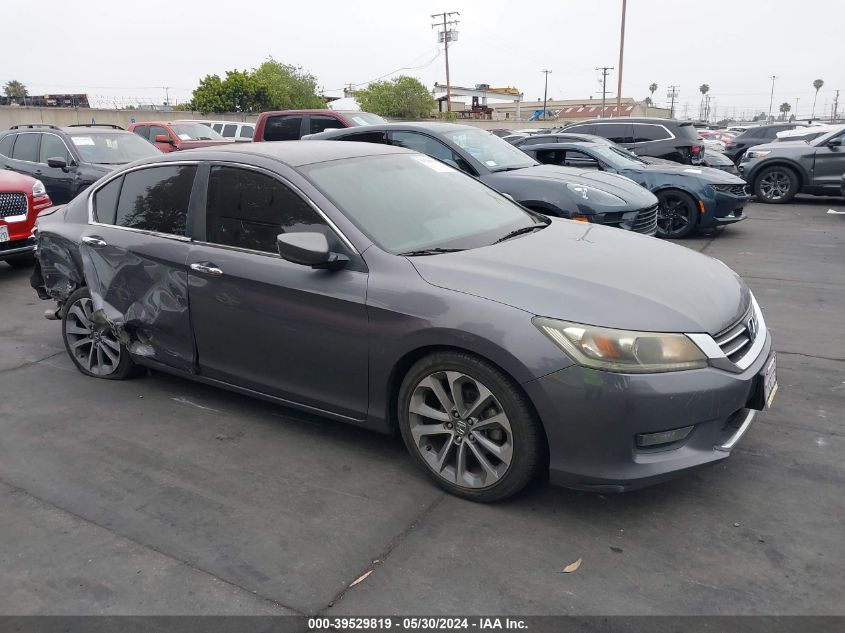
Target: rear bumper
592,420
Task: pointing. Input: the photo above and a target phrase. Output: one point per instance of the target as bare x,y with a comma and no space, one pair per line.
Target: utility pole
835,107
771,99
167,95
621,56
603,70
796,109
446,35
672,94
545,91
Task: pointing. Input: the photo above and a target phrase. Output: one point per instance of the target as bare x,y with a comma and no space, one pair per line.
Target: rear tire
95,352
469,426
677,214
776,185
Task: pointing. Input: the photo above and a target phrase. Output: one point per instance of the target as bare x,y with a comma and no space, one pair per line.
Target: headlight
591,194
38,189
622,350
758,153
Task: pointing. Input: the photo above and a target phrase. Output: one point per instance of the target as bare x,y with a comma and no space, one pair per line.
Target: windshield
406,202
617,158
363,118
109,148
194,132
826,137
495,153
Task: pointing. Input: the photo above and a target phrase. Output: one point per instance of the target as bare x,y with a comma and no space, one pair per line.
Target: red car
292,125
22,198
178,135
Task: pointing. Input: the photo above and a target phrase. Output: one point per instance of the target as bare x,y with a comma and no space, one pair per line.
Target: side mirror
57,163
835,142
162,138
309,249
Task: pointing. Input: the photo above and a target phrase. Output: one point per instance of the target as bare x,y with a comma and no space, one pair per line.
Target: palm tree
817,84
704,89
784,108
15,89
652,89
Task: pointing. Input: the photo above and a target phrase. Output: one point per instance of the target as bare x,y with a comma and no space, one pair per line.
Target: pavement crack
29,363
387,551
17,489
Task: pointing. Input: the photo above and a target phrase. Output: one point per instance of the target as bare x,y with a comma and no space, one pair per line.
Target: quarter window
283,128
53,147
105,201
320,123
26,148
248,209
156,199
229,130
246,131
644,133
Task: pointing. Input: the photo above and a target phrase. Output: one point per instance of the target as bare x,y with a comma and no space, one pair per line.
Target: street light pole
603,70
771,98
621,56
545,91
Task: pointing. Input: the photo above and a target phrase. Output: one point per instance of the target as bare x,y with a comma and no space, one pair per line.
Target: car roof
657,120
436,127
291,153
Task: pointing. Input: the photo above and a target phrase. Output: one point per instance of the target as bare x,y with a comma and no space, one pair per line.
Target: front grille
12,204
646,221
735,342
735,190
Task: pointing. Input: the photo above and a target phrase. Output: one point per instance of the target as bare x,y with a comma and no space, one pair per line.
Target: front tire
469,426
776,185
94,351
677,214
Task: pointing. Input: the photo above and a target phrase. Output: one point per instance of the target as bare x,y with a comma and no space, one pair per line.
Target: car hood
781,145
619,186
707,174
588,273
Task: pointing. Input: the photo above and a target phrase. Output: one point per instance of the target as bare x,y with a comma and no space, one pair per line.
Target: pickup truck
173,136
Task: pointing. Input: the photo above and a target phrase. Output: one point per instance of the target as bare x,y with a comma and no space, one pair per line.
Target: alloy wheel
674,215
774,185
460,429
97,351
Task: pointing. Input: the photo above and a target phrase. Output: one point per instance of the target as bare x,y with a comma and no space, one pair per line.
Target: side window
431,146
105,202
367,137
247,131
26,147
248,209
53,147
6,145
583,129
550,156
616,132
156,199
229,130
643,133
319,123
283,128
537,140
142,131
574,158
155,130
217,127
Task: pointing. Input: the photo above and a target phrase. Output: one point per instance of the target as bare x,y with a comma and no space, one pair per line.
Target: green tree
652,89
271,86
817,84
16,89
401,98
784,109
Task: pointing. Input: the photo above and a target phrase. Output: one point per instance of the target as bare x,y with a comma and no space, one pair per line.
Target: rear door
24,159
620,133
264,323
134,255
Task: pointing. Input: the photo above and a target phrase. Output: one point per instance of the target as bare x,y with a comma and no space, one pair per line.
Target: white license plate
770,380
4,233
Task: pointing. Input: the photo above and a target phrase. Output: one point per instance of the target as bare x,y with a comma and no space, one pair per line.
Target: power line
392,72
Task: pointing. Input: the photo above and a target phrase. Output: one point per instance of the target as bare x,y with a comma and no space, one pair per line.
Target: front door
267,324
829,164
60,183
134,260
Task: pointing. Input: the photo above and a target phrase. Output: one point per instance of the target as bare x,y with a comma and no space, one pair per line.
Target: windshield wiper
523,230
496,171
431,251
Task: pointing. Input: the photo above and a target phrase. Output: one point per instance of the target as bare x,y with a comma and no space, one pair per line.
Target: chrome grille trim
645,221
735,348
12,204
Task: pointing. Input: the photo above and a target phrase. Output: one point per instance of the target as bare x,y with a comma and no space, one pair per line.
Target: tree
15,89
271,86
401,98
652,89
784,108
648,101
704,89
817,84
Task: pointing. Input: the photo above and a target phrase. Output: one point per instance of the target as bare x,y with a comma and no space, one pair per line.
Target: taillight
697,149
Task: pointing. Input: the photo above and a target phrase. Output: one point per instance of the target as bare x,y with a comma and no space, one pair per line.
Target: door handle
208,268
94,241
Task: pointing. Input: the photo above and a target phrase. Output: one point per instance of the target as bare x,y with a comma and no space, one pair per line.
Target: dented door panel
139,287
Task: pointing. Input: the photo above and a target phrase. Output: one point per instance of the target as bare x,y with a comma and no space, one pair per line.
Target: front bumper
725,208
592,420
15,249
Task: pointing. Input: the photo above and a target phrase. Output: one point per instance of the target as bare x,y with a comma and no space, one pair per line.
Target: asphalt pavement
161,496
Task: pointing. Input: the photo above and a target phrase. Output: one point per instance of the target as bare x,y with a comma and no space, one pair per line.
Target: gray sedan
383,288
